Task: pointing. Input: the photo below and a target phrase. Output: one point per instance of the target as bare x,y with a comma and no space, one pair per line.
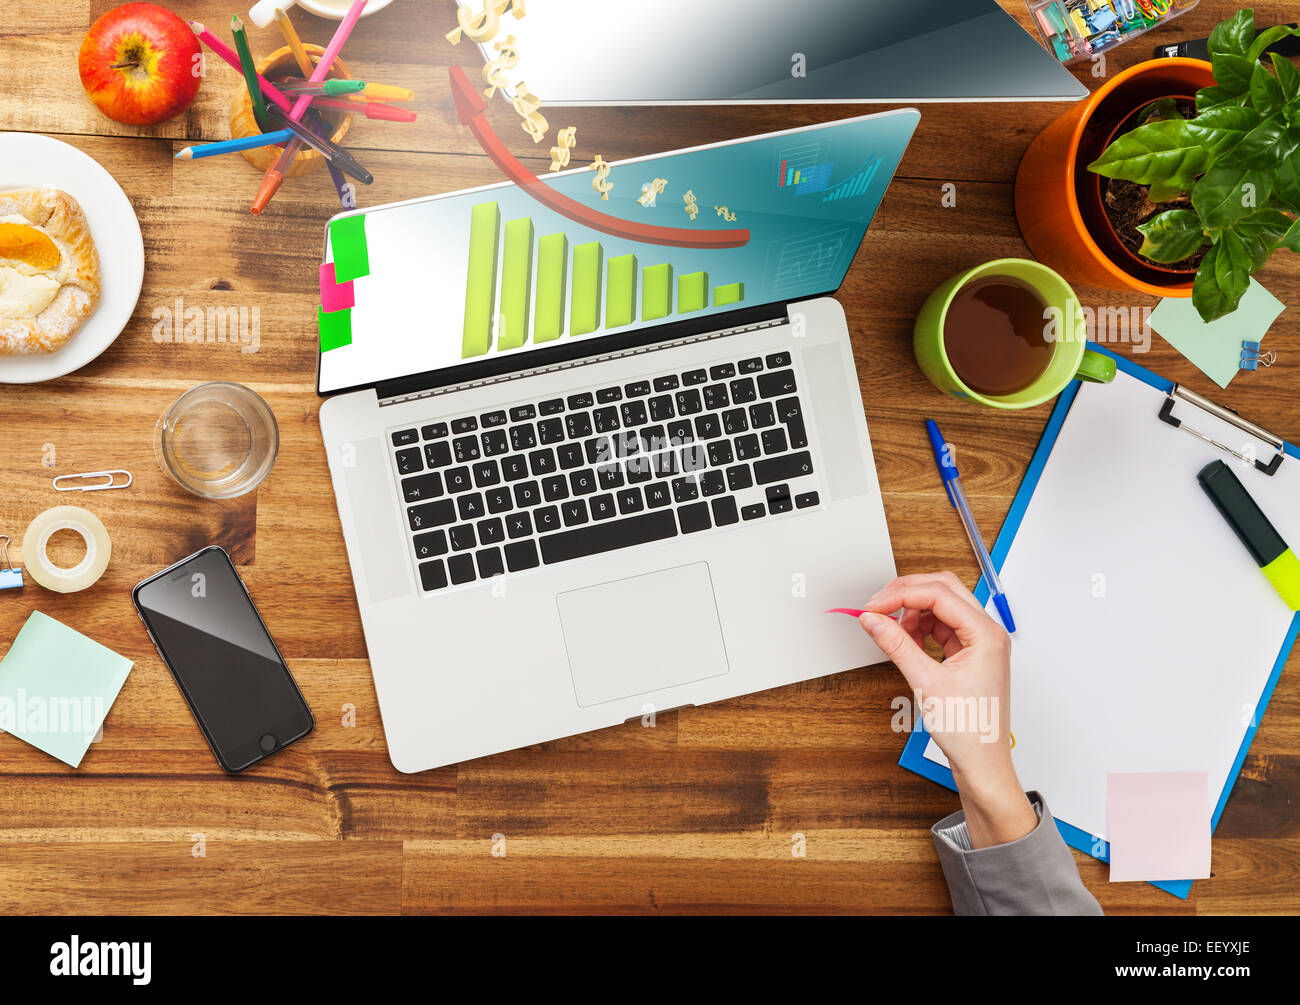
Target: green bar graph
584,315
620,291
656,292
732,293
481,281
693,292
552,263
516,274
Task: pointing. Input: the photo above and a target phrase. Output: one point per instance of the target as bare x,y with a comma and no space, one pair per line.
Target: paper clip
112,482
10,577
1252,358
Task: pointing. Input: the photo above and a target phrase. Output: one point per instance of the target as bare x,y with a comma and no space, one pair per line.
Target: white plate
31,161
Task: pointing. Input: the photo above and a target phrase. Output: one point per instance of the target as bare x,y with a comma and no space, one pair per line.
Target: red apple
140,64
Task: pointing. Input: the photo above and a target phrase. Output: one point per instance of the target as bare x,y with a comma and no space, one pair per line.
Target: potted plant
1204,189
1062,207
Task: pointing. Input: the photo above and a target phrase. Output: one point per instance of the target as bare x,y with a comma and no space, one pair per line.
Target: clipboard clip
1179,393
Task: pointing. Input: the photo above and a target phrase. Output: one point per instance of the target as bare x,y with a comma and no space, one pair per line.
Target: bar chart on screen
520,285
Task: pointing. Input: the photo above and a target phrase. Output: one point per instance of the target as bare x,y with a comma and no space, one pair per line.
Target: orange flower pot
1052,183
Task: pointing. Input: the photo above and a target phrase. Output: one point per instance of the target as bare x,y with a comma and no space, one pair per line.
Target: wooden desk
697,814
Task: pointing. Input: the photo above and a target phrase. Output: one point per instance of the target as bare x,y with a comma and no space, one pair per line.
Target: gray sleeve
1033,875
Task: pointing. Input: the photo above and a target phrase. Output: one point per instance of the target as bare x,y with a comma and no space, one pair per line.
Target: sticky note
1158,825
1215,348
348,242
335,328
334,296
56,687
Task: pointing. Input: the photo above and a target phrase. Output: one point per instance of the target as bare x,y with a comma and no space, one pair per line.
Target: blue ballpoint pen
957,496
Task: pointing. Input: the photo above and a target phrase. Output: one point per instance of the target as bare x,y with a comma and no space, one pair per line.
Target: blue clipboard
914,758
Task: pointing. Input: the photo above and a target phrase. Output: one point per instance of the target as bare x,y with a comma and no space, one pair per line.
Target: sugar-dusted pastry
49,270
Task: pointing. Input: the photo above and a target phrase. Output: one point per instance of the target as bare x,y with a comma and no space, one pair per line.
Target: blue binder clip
1252,358
10,578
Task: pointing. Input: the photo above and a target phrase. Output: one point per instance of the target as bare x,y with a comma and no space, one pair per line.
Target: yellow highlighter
1265,544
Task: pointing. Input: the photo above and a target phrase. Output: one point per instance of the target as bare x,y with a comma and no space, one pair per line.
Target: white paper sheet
1146,631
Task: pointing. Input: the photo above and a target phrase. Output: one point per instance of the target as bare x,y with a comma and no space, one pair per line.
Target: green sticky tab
732,293
348,242
548,311
693,292
584,317
656,292
620,291
516,274
335,328
481,279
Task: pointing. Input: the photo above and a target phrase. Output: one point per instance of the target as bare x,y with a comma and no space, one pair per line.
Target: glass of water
219,440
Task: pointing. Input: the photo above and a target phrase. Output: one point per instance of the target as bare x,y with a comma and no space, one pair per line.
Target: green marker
1277,561
327,88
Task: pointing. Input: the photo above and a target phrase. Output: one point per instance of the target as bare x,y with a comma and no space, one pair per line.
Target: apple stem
122,66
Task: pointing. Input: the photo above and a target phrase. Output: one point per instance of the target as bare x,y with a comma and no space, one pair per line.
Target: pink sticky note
334,296
1159,824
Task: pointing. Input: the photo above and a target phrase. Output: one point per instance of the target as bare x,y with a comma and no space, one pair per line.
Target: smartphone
204,625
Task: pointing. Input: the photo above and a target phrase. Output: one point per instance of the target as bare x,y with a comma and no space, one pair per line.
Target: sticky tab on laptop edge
348,242
335,328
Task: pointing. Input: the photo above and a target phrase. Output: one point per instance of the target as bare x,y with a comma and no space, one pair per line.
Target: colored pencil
371,110
228,55
331,151
275,176
249,69
235,145
294,42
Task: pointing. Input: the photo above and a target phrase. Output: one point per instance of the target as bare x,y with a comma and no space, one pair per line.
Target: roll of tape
86,572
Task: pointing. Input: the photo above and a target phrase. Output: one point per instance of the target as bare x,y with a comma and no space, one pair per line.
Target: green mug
1062,317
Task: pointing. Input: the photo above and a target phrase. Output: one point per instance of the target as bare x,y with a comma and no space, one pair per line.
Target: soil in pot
1127,206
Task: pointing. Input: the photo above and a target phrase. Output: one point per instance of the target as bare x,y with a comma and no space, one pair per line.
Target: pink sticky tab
334,296
1159,823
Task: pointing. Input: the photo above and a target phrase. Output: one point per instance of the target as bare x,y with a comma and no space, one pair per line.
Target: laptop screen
496,273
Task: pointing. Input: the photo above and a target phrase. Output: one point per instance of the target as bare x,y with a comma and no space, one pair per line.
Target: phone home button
268,743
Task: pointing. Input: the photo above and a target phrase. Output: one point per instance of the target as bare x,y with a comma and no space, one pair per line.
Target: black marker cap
1242,512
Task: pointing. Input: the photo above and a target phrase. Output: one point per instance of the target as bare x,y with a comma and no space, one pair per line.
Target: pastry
49,270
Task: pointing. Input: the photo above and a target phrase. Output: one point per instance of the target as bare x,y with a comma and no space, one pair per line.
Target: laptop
598,464
686,52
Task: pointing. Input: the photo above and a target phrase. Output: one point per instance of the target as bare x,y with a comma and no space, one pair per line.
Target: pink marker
851,612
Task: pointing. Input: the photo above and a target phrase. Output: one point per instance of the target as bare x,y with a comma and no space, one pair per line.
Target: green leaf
1216,97
1260,233
1267,37
1286,180
1159,192
1223,127
1265,91
1291,239
1288,77
1234,35
1222,279
1270,142
1162,109
1233,73
1171,236
1165,152
1228,192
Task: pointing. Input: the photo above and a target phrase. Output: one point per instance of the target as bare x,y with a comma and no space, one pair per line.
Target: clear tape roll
86,572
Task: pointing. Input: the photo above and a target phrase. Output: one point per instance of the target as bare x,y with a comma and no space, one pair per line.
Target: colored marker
371,109
1274,558
329,88
232,146
328,149
384,92
853,612
957,496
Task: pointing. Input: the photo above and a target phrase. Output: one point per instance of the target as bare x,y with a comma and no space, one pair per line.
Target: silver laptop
604,456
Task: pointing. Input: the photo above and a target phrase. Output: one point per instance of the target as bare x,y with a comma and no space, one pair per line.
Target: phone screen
211,636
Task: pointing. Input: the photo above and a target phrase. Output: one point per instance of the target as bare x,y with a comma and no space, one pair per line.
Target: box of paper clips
1081,29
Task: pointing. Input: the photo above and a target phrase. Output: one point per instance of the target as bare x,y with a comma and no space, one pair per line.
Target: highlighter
1277,561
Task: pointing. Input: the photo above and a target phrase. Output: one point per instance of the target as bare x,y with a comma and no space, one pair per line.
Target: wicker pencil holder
242,123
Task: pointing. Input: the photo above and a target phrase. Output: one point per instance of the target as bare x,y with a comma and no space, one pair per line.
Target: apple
140,64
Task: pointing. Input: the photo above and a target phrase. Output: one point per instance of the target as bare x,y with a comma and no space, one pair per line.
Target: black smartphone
206,629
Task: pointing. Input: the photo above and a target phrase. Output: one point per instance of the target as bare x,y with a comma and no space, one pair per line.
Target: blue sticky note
1215,348
56,687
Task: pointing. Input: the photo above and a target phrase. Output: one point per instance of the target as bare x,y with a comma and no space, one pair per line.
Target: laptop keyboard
563,478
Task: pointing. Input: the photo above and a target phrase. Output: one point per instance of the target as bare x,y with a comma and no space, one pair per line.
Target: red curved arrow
471,106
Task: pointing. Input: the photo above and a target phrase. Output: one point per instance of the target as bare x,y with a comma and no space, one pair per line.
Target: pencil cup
242,123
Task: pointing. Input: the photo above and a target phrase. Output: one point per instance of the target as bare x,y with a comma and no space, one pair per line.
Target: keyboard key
471,506
514,467
461,568
527,495
720,453
574,512
409,461
437,455
707,427
522,555
491,419
547,518
555,488
486,473
522,413
607,394
465,425
458,480
630,501
694,518
498,500
715,397
774,441
667,383
753,512
491,531
783,468
747,447
638,469
551,406
433,575
752,365
582,482
711,483
689,402
434,514
722,371
637,389
584,400
405,437
665,463
724,511
541,462
680,432
634,413
430,544
762,415
462,537
610,476
422,487
772,384
734,421
495,442
806,499
657,495
519,525
692,377
523,437
739,478
490,563
778,359
550,430
661,408
434,431
466,449
605,419
685,489
789,412
598,450
627,443
578,425
778,499
602,506
654,438
693,458
607,536
742,390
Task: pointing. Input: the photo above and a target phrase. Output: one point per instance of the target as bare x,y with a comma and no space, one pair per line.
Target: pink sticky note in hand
1159,825
334,296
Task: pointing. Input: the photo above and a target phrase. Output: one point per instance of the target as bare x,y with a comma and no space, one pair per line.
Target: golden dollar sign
492,72
565,139
692,210
526,104
725,213
599,183
484,27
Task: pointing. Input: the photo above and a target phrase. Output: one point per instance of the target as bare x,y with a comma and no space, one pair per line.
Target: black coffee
995,335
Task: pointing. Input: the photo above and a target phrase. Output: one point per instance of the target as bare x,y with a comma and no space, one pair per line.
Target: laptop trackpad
642,634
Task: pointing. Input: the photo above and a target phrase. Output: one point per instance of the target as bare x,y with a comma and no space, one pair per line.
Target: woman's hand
965,700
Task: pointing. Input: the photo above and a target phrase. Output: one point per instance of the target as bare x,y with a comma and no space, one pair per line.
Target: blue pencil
231,146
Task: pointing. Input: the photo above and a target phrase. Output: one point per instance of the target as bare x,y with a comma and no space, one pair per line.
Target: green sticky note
56,687
1215,348
348,242
335,328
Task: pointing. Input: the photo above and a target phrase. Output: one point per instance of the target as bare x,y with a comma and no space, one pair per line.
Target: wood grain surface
694,815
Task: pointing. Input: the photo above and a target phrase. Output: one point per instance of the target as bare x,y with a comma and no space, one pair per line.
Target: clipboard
1191,415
